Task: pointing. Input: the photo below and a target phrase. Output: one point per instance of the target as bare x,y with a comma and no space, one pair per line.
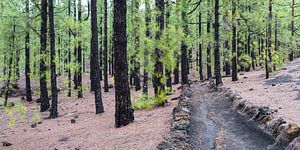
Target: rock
175,98
6,144
73,121
63,139
292,132
251,89
23,98
34,125
76,116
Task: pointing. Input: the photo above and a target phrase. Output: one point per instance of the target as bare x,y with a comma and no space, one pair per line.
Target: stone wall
283,132
177,138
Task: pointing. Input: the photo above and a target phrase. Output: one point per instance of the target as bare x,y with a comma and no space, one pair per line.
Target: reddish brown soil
90,131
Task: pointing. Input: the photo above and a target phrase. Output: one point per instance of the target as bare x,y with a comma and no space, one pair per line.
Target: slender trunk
208,52
200,47
217,45
291,55
27,56
53,111
79,55
95,59
69,55
101,48
124,112
234,43
43,68
184,47
159,68
146,51
105,48
168,70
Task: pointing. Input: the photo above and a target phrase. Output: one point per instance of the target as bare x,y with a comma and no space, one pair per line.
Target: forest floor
281,91
90,131
215,124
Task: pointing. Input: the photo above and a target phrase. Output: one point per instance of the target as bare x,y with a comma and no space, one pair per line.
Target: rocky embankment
285,133
178,137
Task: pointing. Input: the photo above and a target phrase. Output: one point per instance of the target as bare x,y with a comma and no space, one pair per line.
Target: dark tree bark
43,68
184,47
79,56
136,69
69,55
291,55
217,45
101,47
146,51
269,42
200,46
168,70
27,57
75,78
176,70
159,86
234,43
124,112
95,58
53,110
105,48
208,50
227,63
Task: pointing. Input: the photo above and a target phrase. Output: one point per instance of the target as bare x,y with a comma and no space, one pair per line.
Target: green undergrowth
149,102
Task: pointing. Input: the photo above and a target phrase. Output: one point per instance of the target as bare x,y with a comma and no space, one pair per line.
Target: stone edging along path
283,132
178,137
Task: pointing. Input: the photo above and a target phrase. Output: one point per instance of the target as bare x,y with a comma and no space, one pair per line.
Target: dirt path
216,125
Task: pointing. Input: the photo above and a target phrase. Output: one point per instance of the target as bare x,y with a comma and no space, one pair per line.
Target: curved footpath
209,117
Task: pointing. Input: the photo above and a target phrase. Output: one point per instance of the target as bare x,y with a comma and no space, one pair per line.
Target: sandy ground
91,131
281,91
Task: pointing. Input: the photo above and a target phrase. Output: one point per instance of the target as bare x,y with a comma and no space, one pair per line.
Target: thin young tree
234,43
124,111
105,40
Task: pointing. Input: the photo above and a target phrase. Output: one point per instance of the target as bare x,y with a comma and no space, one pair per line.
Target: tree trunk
184,47
79,55
217,46
105,48
27,56
95,59
124,112
146,51
159,87
69,55
43,68
200,47
234,43
53,112
208,52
